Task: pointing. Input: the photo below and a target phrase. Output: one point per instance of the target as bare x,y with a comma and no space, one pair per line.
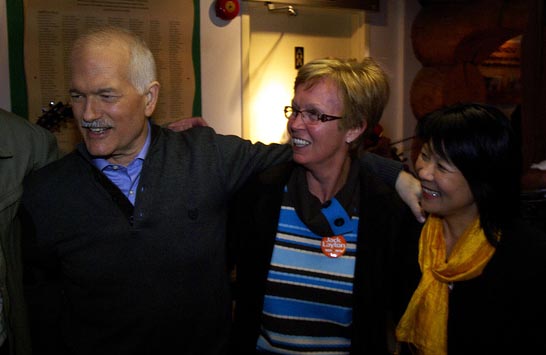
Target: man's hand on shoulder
187,123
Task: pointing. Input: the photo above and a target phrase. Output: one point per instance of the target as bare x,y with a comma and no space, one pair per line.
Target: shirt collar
101,163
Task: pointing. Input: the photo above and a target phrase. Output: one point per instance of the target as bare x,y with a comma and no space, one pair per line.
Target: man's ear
152,95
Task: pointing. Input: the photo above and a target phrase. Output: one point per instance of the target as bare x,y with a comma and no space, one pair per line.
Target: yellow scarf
424,324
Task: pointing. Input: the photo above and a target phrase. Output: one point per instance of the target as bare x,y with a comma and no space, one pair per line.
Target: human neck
326,183
454,227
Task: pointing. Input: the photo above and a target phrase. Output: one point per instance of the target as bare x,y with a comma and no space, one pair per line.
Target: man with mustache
129,252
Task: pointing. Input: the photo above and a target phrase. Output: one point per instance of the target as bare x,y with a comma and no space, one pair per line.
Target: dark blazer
104,277
386,228
24,147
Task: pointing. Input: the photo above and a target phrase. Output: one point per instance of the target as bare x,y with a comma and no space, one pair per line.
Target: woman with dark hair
482,270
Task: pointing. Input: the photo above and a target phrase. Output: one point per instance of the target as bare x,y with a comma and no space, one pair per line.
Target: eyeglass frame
322,117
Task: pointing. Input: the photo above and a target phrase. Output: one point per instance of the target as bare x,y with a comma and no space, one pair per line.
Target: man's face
110,112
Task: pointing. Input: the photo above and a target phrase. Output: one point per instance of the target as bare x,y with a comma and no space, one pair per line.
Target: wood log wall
452,39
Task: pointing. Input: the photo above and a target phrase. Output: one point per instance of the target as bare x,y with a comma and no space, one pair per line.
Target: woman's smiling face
318,145
445,190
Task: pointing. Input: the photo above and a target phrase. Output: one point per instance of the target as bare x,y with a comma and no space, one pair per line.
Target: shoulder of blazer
276,175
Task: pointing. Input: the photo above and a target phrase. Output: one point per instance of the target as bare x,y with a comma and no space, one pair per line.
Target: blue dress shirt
125,178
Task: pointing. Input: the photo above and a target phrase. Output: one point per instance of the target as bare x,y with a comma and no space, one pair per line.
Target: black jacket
386,229
104,278
502,311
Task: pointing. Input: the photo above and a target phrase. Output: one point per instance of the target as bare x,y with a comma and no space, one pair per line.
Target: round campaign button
333,247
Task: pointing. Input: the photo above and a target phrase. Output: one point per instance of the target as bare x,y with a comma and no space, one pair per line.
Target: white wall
390,44
269,41
221,69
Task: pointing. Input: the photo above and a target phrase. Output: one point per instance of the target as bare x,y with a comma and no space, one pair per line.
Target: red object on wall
227,9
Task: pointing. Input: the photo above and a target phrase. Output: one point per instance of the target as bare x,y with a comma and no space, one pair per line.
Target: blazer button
193,214
339,222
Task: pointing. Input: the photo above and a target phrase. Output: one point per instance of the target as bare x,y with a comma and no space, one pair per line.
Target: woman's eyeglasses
308,116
